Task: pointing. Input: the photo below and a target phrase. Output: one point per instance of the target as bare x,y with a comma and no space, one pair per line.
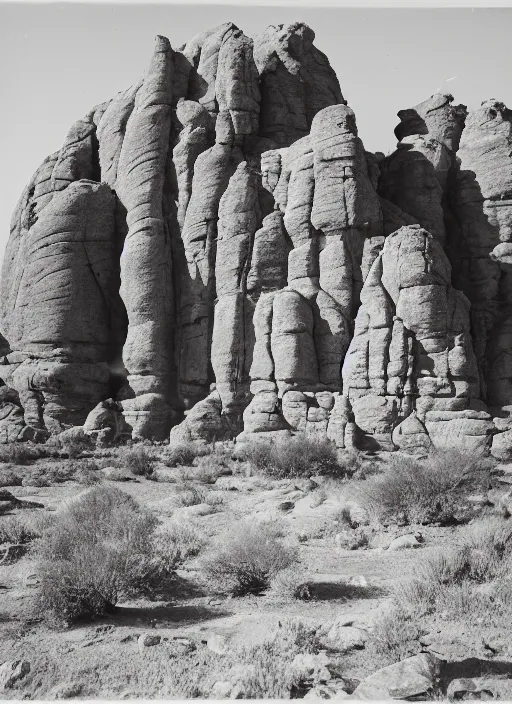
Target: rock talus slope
213,253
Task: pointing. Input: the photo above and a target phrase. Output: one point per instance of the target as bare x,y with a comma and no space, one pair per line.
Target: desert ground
263,576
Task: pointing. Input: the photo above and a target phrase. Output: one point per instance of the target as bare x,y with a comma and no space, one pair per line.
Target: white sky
59,60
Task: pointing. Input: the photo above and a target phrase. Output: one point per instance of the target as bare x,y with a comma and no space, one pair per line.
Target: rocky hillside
213,253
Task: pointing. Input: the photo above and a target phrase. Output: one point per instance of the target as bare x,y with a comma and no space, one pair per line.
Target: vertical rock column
412,352
481,241
322,185
146,266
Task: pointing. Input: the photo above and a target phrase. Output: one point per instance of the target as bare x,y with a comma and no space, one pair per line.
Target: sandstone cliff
215,252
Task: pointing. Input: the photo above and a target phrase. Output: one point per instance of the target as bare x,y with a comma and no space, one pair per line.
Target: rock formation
213,254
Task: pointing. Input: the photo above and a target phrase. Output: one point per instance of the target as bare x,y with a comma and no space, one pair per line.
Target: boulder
404,542
146,640
344,638
12,671
412,677
470,688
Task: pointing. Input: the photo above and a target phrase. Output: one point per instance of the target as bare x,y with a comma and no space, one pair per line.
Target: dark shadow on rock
474,667
332,591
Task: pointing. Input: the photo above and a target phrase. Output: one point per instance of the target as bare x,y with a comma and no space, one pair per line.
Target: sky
59,60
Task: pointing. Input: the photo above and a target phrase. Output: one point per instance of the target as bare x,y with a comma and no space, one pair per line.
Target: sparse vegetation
18,453
296,457
184,454
263,671
9,478
189,494
471,583
88,477
183,540
139,461
429,490
100,548
290,583
74,445
245,561
16,530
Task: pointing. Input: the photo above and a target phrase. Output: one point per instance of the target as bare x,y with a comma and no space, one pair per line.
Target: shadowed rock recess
213,254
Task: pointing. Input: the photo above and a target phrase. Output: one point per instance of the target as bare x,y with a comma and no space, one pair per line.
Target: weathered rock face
213,252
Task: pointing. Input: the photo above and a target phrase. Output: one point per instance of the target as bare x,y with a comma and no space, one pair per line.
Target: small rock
225,690
309,485
12,671
351,539
345,638
182,646
311,666
217,643
302,536
31,580
404,542
317,499
146,640
286,506
66,690
192,511
323,691
357,581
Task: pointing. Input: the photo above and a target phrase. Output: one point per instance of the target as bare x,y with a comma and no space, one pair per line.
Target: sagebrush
101,548
246,560
433,489
298,456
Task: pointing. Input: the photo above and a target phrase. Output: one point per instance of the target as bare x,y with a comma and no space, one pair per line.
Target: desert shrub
433,489
102,547
73,446
50,474
37,479
395,636
204,473
184,454
298,456
88,477
190,495
9,478
139,461
266,670
484,556
183,540
18,453
246,559
17,530
451,581
215,498
290,583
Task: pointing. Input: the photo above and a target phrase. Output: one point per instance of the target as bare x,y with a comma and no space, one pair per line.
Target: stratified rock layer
213,253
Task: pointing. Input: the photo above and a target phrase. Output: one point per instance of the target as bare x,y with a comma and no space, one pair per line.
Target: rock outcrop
213,254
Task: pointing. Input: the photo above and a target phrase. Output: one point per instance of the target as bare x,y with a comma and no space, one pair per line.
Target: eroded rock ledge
213,253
